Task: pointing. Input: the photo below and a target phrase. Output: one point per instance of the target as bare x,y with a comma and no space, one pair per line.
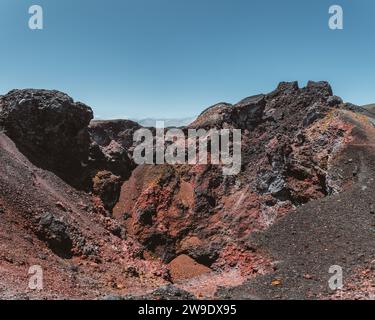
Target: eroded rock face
107,186
110,161
290,138
49,128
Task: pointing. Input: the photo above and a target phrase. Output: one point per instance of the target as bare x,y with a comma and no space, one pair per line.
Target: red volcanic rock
290,139
184,267
107,186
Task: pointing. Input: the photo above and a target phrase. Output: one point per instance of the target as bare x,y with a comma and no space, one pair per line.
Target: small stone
120,286
276,282
74,268
61,206
126,216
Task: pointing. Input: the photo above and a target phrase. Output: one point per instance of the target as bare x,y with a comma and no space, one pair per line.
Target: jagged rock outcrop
110,161
103,132
53,132
290,138
245,114
49,128
107,186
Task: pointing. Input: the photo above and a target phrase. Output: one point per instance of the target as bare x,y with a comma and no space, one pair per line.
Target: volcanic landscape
73,201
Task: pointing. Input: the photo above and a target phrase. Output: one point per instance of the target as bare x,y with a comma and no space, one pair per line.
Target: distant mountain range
177,122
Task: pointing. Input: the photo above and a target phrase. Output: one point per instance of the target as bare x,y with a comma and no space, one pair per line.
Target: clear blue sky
173,58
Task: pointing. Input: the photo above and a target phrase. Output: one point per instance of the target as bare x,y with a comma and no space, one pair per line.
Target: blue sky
173,58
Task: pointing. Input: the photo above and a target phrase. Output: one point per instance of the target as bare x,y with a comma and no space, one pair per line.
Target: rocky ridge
116,222
195,210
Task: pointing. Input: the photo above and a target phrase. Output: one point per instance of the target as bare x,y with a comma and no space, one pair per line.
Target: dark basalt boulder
49,128
56,233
